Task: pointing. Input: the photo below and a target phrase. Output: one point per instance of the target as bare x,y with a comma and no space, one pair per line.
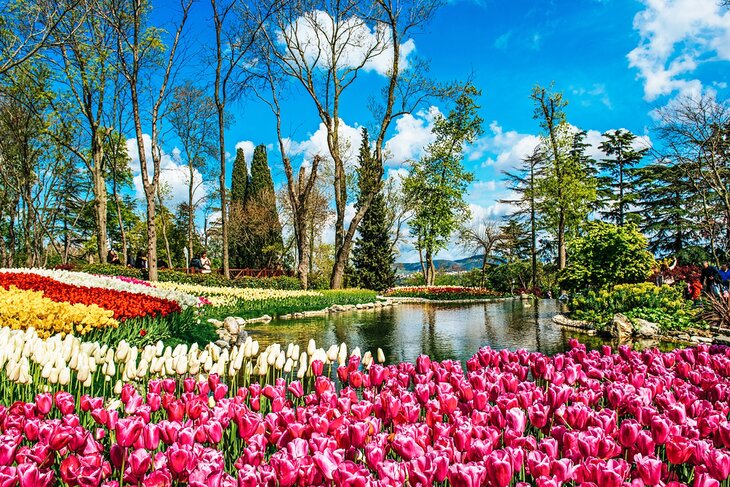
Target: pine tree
617,188
372,256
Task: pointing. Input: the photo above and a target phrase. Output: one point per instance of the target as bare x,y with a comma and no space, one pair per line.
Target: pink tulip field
590,418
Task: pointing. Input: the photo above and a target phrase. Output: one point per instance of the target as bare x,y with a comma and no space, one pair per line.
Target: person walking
724,277
710,279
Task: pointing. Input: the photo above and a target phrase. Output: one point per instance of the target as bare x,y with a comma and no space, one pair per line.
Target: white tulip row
25,356
109,282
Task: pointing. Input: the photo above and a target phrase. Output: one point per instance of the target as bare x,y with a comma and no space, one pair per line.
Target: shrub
663,305
279,282
107,270
605,255
442,293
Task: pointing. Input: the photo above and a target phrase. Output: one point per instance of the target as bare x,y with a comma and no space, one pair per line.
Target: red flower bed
442,292
124,304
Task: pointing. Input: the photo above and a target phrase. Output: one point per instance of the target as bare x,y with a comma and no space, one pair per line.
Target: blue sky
614,60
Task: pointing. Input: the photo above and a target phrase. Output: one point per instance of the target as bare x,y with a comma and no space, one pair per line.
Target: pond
442,331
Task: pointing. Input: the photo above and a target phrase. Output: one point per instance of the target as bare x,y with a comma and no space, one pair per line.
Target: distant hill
466,264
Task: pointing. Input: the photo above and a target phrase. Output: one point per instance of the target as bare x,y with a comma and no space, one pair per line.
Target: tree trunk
151,238
303,255
191,213
100,196
561,241
120,221
222,181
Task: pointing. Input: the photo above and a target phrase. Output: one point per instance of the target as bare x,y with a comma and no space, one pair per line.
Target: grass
281,306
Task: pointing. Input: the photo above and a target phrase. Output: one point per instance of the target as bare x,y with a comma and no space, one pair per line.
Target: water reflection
440,330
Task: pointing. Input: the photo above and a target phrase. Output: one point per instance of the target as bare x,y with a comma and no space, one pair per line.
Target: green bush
663,305
109,270
281,306
605,255
279,282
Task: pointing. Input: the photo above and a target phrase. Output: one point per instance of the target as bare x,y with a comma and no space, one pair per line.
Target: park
364,243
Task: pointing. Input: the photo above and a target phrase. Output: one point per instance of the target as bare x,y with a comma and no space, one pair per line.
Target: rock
241,339
722,340
565,321
240,320
215,322
621,328
231,325
647,329
315,313
222,343
359,306
267,318
699,339
684,337
224,335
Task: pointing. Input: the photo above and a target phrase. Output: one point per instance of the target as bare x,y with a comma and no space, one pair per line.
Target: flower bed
22,309
587,418
228,296
442,293
124,304
116,283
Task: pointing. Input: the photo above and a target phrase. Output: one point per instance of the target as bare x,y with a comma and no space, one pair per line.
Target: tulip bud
65,376
288,365
342,355
280,361
332,353
356,352
53,377
367,359
289,350
118,387
271,357
254,348
311,347
381,355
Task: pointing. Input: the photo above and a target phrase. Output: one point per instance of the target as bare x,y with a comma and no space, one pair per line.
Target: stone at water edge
216,323
722,340
231,325
647,328
621,328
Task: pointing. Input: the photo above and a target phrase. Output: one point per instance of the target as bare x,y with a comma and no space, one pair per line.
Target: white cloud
506,149
248,147
350,140
675,37
174,173
371,48
411,136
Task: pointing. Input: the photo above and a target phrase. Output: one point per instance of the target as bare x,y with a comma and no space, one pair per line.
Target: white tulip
65,376
356,352
288,365
342,355
254,348
367,359
88,382
332,353
289,350
118,387
381,355
53,377
280,361
295,352
311,347
46,372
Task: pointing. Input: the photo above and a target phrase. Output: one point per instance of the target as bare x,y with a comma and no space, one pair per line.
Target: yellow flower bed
21,310
223,296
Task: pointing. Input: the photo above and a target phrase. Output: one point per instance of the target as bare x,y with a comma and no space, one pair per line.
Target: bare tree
28,27
193,116
236,28
324,46
481,237
695,132
138,44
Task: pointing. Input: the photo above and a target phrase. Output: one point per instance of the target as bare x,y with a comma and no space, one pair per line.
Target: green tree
239,178
666,206
565,183
261,199
438,181
617,186
565,186
605,254
238,253
372,256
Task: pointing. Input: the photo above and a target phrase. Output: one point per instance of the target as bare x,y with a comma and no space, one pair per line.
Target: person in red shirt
695,289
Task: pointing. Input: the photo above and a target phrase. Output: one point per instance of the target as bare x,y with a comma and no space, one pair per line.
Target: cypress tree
239,178
261,198
238,255
372,256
